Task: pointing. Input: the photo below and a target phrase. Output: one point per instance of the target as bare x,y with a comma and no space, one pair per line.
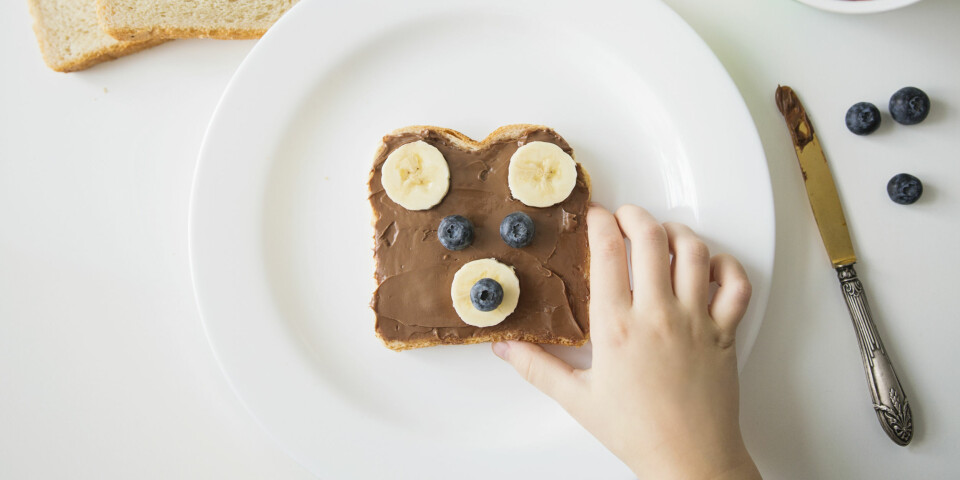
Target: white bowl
861,6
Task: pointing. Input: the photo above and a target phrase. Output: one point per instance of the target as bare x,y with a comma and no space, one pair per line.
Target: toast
138,20
413,302
71,39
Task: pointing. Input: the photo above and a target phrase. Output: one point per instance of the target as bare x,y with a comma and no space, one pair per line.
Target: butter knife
889,400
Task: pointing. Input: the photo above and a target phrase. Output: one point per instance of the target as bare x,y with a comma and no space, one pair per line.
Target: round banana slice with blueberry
484,292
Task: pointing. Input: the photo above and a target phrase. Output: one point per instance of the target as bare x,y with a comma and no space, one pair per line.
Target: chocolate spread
800,127
414,271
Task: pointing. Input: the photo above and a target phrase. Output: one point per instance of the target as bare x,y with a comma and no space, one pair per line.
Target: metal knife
889,401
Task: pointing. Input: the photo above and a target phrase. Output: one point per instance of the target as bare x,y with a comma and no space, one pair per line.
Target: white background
105,371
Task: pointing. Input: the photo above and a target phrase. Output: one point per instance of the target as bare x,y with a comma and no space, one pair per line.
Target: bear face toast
460,258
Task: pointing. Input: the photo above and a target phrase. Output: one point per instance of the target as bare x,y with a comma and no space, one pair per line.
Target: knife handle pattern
889,401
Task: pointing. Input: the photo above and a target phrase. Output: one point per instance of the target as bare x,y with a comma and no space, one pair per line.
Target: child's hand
662,393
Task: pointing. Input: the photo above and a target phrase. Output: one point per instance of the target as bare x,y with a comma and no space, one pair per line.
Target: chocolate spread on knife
414,271
800,127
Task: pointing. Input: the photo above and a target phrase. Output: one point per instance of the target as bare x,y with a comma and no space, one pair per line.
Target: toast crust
465,143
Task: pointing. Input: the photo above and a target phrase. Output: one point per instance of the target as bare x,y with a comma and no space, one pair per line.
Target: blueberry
455,232
909,105
486,294
863,118
517,229
904,188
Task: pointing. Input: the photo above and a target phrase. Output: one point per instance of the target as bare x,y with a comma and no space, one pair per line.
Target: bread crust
104,55
504,133
170,31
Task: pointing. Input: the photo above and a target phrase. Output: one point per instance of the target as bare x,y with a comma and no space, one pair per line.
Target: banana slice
468,275
541,174
416,176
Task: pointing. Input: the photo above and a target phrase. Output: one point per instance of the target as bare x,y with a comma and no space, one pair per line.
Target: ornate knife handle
889,401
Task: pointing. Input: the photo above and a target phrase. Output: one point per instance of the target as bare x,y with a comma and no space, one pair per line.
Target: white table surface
105,371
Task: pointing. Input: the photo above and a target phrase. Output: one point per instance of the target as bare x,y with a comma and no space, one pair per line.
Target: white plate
862,6
280,237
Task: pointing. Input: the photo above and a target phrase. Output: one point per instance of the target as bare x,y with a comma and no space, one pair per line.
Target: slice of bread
412,302
71,39
135,20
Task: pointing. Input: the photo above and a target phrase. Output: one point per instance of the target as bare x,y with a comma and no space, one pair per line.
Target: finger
609,282
548,373
733,294
691,266
649,255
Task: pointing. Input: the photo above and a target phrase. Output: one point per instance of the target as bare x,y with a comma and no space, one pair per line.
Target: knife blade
889,401
821,189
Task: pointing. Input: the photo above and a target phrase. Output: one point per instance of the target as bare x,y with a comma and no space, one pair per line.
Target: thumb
548,373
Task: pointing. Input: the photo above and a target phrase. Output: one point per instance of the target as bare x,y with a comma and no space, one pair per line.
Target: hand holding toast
663,392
